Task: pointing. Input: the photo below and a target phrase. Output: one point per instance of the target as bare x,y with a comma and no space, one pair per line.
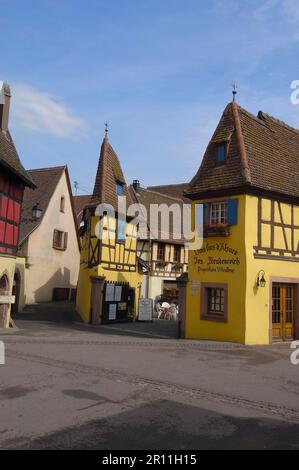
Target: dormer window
119,188
221,153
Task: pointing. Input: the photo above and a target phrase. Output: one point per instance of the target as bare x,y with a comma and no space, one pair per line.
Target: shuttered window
60,240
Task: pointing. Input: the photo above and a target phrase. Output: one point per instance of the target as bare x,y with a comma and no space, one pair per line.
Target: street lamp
261,281
36,211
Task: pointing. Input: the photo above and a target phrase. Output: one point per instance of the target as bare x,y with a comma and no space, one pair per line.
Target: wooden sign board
145,312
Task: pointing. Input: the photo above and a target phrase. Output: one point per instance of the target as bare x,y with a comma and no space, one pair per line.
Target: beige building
49,254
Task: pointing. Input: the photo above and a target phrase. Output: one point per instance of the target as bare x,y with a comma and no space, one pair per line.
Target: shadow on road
167,424
61,316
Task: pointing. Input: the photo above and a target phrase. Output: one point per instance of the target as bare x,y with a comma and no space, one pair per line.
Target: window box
216,230
160,265
177,267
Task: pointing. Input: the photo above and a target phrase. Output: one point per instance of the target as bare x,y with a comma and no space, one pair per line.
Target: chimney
136,185
4,106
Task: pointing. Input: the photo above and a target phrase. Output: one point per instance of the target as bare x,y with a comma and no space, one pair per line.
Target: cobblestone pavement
136,386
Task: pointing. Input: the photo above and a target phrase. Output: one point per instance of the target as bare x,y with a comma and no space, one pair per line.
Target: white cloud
37,111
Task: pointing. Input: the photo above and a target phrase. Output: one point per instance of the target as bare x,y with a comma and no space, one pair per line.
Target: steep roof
80,202
108,174
263,154
46,180
147,197
174,190
9,157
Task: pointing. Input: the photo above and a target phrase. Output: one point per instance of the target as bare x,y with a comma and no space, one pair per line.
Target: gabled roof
263,154
46,180
146,197
9,158
174,190
80,202
108,174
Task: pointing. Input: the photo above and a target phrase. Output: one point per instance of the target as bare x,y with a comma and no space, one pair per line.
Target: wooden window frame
163,248
220,209
63,245
205,314
177,251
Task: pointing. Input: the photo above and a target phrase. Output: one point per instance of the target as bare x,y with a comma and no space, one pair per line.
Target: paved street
135,386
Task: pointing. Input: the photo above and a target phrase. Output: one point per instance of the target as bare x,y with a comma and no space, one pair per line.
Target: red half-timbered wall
11,195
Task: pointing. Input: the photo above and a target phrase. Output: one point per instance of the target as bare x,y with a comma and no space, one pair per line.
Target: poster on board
117,293
109,297
112,311
145,311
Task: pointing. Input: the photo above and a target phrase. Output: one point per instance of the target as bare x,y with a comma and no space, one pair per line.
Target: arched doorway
4,290
16,289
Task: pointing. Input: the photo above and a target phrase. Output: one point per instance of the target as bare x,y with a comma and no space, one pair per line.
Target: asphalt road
135,386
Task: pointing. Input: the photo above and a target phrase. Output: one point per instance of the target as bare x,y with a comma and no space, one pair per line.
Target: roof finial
106,129
234,85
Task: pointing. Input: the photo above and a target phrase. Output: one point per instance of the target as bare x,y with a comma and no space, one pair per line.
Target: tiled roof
80,202
46,180
174,190
147,197
108,174
10,160
263,154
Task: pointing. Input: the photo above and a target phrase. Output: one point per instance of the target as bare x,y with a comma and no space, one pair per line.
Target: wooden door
283,311
96,300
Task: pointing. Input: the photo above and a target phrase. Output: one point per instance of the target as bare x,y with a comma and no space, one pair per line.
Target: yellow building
243,282
109,281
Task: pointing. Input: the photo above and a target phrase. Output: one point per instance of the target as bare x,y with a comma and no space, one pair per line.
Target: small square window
221,153
59,240
214,302
218,211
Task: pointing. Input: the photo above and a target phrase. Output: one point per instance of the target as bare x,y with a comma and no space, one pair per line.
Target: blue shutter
232,212
204,208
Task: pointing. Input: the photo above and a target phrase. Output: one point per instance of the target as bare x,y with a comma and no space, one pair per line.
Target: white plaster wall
49,268
155,286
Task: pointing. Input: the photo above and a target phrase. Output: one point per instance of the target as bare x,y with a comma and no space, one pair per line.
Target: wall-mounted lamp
36,211
261,281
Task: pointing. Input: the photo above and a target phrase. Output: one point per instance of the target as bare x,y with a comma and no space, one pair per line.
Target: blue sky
160,72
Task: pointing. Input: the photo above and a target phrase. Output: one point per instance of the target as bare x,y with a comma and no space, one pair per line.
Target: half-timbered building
109,280
164,255
13,180
243,281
